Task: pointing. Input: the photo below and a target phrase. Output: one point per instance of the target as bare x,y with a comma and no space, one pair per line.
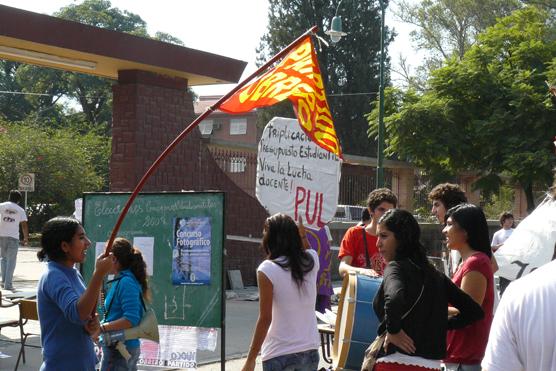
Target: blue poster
191,251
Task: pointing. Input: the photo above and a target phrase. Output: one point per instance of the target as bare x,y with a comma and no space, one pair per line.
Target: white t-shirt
523,332
501,236
294,324
11,215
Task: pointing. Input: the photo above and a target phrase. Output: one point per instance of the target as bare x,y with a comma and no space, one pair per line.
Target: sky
231,28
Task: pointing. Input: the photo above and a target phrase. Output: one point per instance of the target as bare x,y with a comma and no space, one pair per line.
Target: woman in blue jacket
124,304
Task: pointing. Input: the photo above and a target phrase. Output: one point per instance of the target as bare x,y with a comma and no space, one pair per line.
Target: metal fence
354,189
239,165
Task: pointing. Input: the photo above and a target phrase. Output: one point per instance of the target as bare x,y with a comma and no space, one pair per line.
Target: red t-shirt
353,245
467,345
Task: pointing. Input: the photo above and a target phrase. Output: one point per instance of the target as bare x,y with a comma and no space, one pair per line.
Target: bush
65,164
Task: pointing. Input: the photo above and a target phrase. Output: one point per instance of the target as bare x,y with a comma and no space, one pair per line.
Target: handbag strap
367,259
416,301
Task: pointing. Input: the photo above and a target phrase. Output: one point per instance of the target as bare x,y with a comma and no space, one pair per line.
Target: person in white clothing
286,331
500,236
523,332
11,217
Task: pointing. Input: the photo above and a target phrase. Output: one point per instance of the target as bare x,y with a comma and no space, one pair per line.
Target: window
206,127
238,126
238,164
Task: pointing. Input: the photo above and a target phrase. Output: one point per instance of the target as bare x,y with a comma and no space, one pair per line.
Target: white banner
295,176
531,244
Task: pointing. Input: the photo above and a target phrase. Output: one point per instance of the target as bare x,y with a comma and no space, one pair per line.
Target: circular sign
27,182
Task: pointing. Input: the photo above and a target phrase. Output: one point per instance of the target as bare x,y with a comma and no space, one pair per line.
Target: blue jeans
112,360
303,361
8,258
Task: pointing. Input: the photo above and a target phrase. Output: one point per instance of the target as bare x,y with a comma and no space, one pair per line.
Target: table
326,333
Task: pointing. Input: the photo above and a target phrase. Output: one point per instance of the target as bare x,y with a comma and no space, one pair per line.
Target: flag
297,77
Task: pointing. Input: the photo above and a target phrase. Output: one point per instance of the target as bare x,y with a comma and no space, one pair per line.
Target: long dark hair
281,239
472,219
54,232
407,233
132,259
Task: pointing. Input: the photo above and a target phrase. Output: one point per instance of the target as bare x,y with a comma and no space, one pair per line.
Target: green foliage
65,164
489,112
447,28
349,68
499,203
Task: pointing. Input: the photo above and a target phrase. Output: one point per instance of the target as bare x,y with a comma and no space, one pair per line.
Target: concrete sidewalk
241,317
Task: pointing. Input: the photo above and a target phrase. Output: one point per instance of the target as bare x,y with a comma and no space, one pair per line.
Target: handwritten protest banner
295,176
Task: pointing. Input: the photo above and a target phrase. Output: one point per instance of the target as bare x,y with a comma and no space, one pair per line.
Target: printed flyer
191,251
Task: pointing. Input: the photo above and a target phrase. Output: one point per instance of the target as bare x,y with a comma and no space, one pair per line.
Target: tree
490,112
65,165
350,68
93,94
448,28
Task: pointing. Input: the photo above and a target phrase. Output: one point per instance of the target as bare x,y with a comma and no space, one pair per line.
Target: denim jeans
8,258
303,361
460,367
112,360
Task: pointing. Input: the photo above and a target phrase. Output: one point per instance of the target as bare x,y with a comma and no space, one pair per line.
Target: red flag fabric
297,78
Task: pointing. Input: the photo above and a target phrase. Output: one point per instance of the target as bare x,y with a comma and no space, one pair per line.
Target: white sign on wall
26,182
295,176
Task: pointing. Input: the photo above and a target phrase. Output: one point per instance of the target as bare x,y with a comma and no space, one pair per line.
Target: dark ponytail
132,259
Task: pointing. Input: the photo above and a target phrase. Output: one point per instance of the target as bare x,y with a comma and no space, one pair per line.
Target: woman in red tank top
466,231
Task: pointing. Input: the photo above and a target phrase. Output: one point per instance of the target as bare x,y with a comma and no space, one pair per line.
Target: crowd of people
431,320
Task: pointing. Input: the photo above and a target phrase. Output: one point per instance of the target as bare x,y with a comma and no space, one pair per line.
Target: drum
356,323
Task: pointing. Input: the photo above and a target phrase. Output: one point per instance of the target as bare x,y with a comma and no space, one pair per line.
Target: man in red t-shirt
352,249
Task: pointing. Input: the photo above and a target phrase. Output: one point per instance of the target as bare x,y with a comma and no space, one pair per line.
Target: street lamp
336,34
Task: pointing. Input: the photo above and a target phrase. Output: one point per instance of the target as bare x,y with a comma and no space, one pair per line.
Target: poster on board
191,255
295,176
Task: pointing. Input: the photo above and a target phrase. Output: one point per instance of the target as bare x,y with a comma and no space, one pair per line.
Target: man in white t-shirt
500,236
523,332
11,217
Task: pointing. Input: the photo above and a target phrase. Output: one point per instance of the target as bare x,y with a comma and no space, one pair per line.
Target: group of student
432,322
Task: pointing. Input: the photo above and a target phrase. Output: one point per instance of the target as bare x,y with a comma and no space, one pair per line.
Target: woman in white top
286,331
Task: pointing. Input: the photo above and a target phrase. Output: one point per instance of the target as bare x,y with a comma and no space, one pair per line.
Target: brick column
149,111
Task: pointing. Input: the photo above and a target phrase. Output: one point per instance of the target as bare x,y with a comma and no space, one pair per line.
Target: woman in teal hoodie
124,304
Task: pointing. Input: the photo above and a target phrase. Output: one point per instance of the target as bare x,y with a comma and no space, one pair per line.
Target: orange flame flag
298,78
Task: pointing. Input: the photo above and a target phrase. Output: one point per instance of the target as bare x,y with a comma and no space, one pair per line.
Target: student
412,301
11,217
286,331
358,252
500,236
443,197
65,304
124,304
466,231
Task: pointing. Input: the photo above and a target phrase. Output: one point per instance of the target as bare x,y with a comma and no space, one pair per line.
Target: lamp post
336,34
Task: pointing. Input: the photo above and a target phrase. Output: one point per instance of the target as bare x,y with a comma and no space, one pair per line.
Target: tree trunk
528,189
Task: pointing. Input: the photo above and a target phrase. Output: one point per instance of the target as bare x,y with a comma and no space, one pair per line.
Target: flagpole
189,128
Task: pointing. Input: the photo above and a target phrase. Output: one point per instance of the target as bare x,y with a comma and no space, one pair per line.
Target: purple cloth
319,242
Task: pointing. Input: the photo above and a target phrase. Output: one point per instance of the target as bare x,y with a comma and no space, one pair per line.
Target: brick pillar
403,181
149,111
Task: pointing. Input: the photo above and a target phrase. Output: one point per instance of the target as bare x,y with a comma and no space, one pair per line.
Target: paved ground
241,315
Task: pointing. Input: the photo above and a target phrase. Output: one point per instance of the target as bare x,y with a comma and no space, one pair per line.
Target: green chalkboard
185,230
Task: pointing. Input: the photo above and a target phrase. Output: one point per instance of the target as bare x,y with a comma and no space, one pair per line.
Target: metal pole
381,130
